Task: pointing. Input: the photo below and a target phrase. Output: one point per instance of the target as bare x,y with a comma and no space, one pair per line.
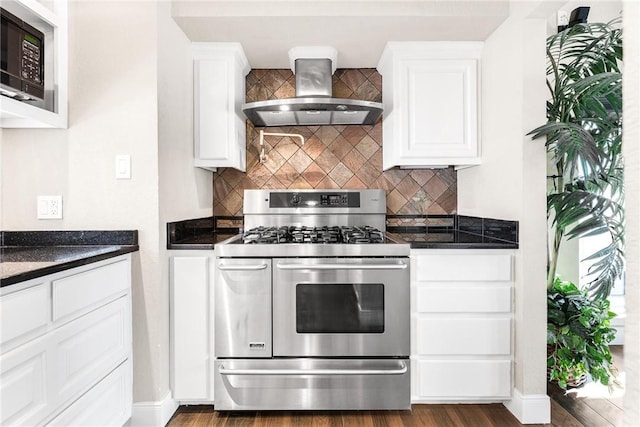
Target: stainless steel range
312,305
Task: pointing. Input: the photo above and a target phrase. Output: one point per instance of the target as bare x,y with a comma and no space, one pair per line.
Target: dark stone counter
198,234
420,231
26,255
453,239
461,232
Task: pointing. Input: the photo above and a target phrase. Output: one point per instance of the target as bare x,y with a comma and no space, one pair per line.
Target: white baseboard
153,414
531,408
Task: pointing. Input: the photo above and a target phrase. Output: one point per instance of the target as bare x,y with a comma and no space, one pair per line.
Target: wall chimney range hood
313,104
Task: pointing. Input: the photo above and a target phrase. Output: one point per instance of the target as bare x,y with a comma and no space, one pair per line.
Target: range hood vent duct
313,104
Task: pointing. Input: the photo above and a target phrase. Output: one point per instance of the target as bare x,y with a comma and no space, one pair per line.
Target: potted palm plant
583,136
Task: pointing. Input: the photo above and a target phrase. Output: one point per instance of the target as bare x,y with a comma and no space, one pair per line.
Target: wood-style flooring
589,406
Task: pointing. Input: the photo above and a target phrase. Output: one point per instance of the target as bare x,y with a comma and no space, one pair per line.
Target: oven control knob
295,199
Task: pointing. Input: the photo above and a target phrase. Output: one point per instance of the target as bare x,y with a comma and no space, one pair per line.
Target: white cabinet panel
107,404
23,385
25,311
463,267
219,91
470,379
463,299
42,373
462,318
431,101
440,120
191,323
75,294
86,351
464,336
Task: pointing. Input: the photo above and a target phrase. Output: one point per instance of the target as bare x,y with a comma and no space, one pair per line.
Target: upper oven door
347,307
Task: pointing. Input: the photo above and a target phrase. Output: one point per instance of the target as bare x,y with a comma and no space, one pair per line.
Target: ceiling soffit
357,29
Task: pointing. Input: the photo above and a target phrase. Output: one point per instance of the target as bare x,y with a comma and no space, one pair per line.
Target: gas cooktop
306,234
313,223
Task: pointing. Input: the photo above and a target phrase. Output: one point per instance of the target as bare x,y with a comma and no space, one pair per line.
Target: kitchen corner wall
332,157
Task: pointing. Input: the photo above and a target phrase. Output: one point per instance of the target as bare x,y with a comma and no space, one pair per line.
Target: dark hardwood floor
587,406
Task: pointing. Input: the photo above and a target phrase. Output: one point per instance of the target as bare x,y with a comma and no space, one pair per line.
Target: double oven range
312,305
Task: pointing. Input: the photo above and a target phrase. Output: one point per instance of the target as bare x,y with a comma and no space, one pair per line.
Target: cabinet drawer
464,336
90,347
108,403
472,379
463,267
24,311
456,299
23,385
75,294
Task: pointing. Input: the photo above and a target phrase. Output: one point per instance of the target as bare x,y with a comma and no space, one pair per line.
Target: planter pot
573,381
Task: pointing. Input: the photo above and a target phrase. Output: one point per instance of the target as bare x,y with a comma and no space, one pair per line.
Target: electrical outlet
562,20
49,207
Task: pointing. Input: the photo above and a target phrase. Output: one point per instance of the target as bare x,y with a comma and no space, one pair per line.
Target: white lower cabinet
192,341
73,367
462,325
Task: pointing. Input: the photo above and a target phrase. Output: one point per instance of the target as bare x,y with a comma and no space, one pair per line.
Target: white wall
631,136
185,191
113,109
510,183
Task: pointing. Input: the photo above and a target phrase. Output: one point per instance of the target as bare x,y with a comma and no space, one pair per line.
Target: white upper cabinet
430,97
219,91
51,19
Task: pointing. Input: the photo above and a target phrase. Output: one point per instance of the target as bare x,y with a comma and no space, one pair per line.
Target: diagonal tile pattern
332,157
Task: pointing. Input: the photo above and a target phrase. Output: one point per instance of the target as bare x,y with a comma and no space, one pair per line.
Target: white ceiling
358,29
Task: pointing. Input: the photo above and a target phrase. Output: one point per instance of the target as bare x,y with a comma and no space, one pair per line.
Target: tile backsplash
332,157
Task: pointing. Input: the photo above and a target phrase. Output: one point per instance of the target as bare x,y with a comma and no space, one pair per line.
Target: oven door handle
400,266
402,369
242,267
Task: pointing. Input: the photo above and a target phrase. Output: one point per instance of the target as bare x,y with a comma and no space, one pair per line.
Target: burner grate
317,235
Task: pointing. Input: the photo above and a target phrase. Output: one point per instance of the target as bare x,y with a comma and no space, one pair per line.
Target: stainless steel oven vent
313,104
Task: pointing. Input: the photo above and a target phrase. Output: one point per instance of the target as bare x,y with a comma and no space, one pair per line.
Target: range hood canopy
313,104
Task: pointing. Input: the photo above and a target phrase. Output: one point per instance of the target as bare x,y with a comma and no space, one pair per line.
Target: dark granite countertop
26,255
463,232
453,239
420,231
200,241
198,234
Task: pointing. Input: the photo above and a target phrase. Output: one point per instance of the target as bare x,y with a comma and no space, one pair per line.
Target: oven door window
349,308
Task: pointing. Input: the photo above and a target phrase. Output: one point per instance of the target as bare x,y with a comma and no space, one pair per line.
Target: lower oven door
341,307
319,384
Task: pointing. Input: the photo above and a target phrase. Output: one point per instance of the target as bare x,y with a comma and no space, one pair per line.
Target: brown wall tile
332,157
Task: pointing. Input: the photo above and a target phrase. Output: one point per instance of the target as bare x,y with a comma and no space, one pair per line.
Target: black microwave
22,65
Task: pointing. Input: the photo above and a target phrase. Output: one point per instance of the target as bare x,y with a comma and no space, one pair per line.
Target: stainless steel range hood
313,104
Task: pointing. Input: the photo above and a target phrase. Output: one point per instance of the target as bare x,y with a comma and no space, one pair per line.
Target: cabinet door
219,91
191,326
214,108
441,106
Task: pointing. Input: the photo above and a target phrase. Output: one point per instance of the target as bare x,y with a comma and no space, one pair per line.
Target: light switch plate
123,166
